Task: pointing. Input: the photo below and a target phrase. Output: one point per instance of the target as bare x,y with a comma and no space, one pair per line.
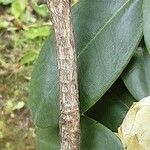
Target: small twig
66,57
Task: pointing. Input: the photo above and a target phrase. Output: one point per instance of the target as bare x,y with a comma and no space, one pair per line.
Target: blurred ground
23,27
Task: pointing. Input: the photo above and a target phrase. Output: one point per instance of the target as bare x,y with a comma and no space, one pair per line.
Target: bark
69,122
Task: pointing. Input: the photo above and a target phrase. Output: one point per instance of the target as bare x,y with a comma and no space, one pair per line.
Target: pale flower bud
135,129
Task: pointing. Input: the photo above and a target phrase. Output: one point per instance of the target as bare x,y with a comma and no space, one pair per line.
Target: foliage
21,30
91,132
138,73
146,22
107,37
114,104
40,9
94,78
113,70
6,2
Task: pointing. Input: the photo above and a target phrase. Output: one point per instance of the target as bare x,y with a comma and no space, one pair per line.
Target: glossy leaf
106,36
111,109
146,22
94,136
137,75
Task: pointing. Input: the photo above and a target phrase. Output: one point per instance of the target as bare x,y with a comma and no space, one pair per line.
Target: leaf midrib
105,25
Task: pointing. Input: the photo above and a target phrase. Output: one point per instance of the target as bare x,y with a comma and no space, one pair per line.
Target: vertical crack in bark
66,58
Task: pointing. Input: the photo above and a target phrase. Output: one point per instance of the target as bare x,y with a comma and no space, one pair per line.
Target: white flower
135,129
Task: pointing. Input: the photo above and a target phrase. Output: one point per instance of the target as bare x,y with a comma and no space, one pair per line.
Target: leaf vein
105,25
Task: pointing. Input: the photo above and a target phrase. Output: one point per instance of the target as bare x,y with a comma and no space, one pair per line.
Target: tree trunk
69,122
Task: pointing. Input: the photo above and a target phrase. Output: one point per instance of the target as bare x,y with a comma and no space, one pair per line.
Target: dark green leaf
111,109
146,20
94,136
106,36
137,75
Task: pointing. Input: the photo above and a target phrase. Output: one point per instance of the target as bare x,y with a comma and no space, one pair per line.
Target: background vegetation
24,25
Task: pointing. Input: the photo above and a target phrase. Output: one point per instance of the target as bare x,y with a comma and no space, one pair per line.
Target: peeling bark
69,122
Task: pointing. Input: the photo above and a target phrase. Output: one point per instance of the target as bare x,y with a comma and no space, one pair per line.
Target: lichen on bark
69,122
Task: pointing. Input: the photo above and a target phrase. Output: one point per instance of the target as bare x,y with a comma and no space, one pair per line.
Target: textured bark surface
66,56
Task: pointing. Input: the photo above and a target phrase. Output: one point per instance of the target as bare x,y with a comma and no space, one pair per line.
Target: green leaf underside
137,75
146,22
106,36
94,136
111,109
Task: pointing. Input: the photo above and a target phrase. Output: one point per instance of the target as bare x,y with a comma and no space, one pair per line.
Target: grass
24,26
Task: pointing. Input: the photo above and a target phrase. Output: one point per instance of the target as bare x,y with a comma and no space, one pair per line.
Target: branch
69,122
